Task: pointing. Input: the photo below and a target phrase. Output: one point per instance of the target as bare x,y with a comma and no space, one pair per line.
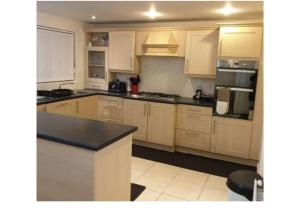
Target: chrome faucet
64,84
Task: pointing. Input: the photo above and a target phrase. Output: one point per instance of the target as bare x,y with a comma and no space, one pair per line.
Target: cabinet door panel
135,114
201,53
161,124
242,42
67,108
87,107
231,137
121,51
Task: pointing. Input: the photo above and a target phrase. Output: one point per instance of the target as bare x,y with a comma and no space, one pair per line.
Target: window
55,55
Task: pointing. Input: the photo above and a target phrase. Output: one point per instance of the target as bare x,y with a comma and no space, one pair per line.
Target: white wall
165,74
71,25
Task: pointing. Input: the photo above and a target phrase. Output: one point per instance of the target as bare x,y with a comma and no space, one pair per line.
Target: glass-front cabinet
96,74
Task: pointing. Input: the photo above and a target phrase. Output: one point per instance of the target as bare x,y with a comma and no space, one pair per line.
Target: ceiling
132,11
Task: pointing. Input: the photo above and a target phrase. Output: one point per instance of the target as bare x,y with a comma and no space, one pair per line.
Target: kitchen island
82,159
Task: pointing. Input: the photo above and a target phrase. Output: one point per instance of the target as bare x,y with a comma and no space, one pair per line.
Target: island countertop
83,133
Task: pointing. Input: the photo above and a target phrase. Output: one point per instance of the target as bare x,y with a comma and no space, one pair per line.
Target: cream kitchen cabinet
135,114
231,137
67,108
240,42
122,52
87,107
110,109
41,108
201,53
161,123
155,121
193,127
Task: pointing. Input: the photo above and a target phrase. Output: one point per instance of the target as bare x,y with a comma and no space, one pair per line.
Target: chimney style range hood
161,43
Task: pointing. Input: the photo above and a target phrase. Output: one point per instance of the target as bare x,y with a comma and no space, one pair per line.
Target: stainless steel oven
238,78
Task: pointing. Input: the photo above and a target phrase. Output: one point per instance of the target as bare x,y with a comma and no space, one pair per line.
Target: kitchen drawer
111,99
111,120
194,122
112,112
206,111
192,139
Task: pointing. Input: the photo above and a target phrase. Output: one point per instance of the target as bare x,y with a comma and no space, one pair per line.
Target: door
161,123
96,74
201,53
244,42
231,137
135,114
88,107
67,108
121,51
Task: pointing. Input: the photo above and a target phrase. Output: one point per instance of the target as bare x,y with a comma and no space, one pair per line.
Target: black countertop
83,133
90,92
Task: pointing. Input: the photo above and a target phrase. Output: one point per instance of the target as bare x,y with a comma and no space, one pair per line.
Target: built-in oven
235,88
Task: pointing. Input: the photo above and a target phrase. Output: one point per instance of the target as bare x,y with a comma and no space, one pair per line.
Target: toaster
117,86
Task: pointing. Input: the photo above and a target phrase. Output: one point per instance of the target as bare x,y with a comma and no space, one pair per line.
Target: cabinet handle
145,106
186,65
193,134
149,110
214,126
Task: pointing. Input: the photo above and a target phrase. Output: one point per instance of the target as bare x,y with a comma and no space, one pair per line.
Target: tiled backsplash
165,74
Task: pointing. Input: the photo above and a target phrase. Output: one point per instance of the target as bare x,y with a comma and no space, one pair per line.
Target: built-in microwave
239,78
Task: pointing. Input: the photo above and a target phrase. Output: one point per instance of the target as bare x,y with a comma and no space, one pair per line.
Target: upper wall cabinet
240,42
122,52
201,53
160,43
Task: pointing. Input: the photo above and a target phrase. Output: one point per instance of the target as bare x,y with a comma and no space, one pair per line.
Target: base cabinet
66,108
87,107
155,121
161,124
135,114
231,137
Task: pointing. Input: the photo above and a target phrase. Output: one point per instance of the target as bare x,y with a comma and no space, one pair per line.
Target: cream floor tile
165,197
165,170
148,195
184,190
154,182
141,164
210,194
216,182
135,174
192,176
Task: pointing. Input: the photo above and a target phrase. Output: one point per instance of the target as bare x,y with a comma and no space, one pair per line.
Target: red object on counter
134,89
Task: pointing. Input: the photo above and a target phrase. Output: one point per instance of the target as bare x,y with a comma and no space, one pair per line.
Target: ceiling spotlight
152,13
93,17
227,10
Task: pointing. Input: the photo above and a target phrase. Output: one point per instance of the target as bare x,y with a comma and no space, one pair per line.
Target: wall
71,25
165,74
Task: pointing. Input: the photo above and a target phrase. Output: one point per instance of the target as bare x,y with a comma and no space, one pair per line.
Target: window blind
55,55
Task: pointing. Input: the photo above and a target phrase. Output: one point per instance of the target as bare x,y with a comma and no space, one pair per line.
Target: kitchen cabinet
135,114
122,52
231,137
155,121
110,109
201,53
66,108
161,123
193,127
87,107
240,42
96,72
41,108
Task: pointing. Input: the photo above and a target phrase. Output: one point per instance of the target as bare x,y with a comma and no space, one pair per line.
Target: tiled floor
169,183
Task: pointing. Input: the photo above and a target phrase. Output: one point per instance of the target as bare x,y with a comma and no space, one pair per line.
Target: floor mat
192,162
136,190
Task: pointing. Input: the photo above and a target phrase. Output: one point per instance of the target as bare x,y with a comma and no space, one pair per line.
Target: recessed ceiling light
93,17
152,13
227,10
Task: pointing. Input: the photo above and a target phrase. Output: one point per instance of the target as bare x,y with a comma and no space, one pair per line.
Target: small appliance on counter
134,84
117,86
235,88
